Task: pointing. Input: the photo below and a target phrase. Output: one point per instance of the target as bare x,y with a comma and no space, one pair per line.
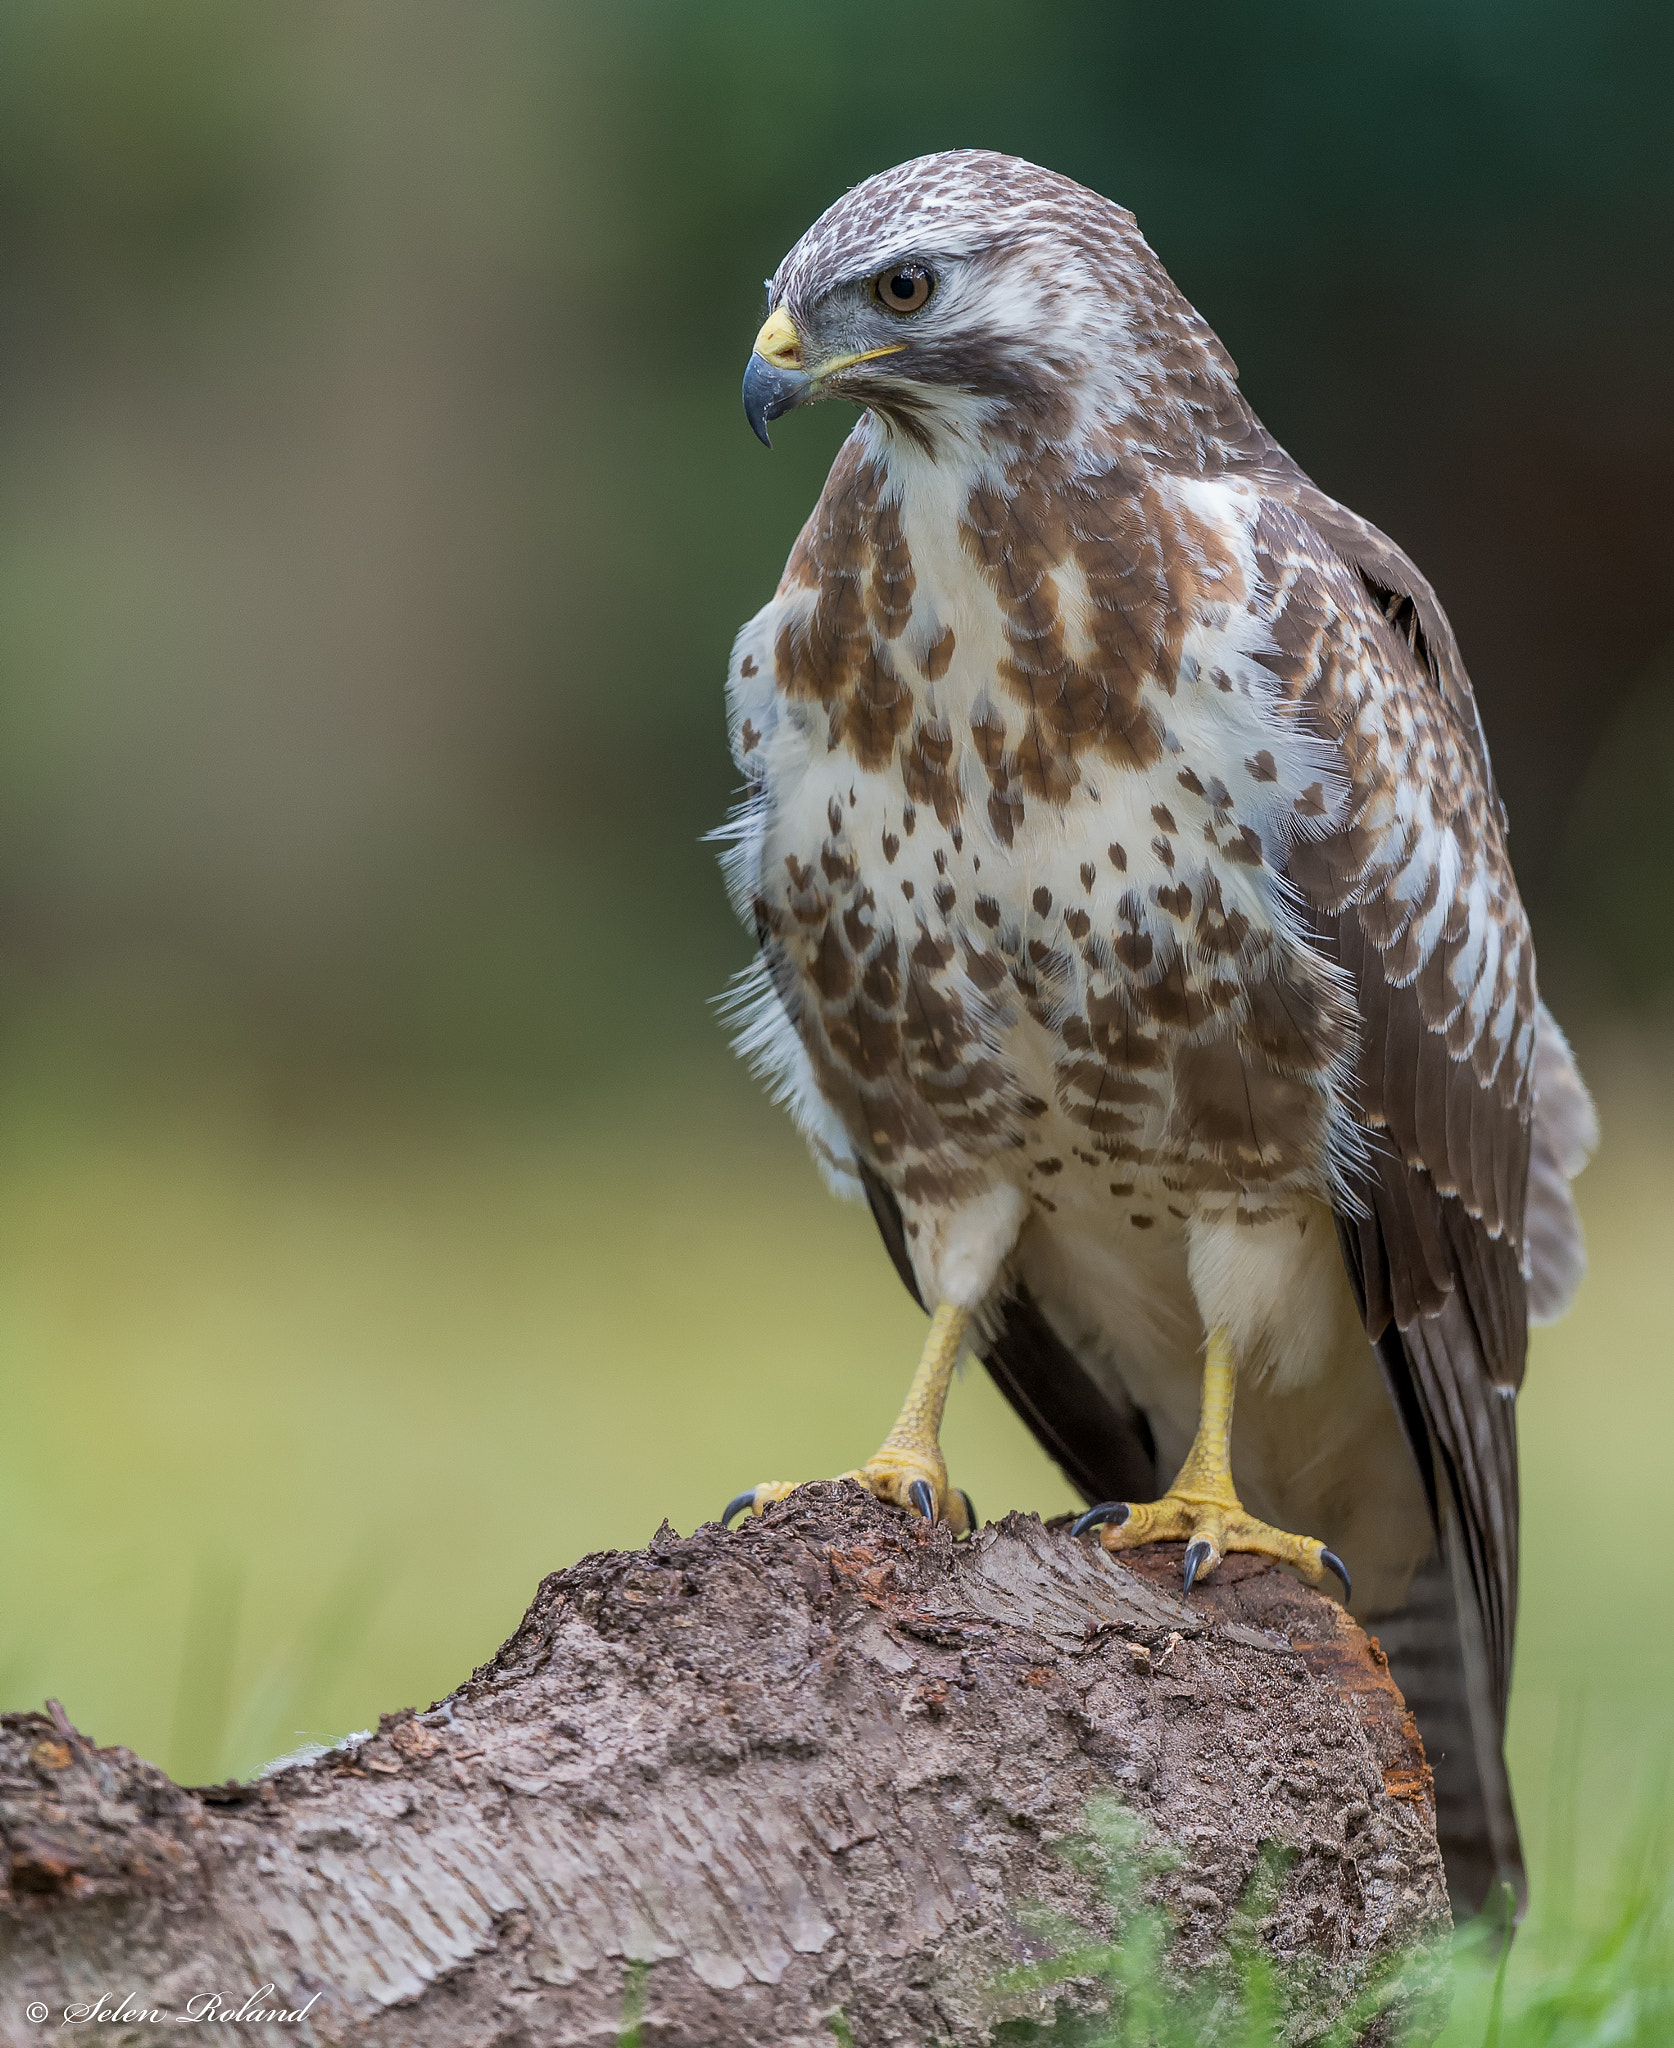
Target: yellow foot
1209,1528
902,1481
907,1470
1201,1509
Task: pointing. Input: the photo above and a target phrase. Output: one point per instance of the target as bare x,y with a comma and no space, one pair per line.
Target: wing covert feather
1410,891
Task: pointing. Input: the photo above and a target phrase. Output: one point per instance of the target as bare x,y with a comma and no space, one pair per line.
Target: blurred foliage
134,143
1615,885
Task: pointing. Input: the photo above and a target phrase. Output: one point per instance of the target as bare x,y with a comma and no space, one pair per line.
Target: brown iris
903,288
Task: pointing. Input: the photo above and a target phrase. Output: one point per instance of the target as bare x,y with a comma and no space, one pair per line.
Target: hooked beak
775,379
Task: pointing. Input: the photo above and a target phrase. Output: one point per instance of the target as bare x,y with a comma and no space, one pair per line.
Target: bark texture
815,1766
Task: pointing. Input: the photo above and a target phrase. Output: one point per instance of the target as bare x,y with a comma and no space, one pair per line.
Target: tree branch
817,1765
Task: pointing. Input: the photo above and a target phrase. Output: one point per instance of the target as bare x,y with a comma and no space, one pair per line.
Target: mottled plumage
1137,929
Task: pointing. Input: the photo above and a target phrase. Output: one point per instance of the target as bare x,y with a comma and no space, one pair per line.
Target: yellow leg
1202,1509
907,1467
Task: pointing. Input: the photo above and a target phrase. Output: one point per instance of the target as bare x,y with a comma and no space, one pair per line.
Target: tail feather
1564,1139
1438,1660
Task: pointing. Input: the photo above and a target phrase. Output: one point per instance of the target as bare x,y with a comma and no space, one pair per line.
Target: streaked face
950,286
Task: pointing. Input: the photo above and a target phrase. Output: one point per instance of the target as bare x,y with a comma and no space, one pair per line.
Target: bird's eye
903,288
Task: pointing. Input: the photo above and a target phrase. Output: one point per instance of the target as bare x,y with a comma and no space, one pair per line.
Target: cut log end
826,1764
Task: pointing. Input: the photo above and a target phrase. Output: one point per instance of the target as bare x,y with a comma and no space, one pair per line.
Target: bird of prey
1137,934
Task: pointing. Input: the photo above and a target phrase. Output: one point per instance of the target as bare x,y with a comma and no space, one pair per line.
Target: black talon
922,1498
1198,1553
744,1500
1116,1511
1330,1557
970,1512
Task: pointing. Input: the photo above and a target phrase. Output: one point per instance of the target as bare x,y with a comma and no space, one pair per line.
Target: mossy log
813,1773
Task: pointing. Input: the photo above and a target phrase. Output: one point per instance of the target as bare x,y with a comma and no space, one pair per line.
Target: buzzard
1137,934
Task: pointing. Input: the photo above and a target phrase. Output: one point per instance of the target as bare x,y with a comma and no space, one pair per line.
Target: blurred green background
383,1221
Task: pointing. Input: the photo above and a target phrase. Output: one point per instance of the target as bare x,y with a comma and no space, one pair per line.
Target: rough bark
813,1766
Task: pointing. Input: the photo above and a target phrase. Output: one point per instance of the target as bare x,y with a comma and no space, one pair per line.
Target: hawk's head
959,291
